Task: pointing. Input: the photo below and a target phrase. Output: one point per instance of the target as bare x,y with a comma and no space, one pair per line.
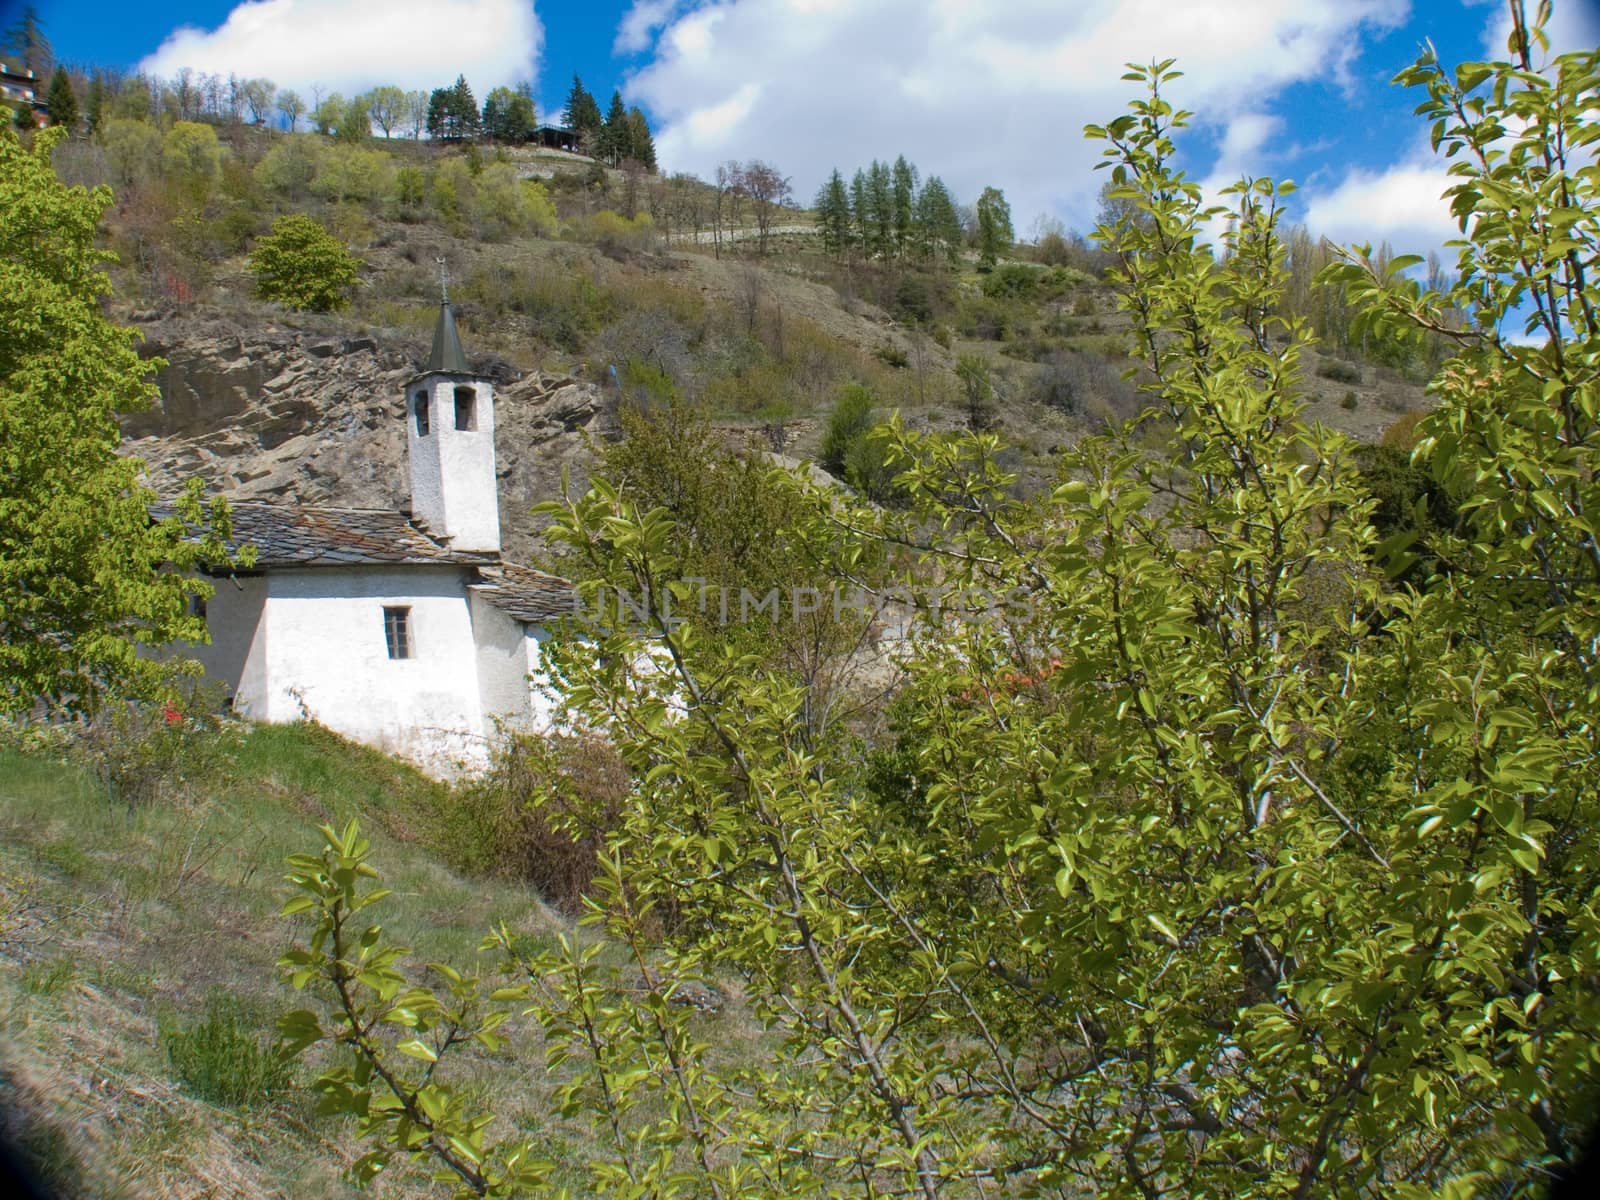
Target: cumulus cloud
979,93
351,45
1573,26
640,23
1403,205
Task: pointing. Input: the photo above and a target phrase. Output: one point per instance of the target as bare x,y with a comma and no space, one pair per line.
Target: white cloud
977,93
351,45
1573,25
1403,205
640,23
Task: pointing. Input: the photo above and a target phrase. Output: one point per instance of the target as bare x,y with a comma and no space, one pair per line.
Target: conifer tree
880,210
995,234
463,109
614,141
641,145
859,215
905,190
582,116
62,101
25,41
94,105
833,213
938,222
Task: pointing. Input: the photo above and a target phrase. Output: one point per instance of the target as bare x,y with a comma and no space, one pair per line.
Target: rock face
280,413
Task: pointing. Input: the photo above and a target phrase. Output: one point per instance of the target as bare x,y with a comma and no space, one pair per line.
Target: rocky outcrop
274,412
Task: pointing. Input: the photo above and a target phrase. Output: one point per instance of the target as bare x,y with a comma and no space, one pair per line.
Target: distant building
402,629
19,88
556,137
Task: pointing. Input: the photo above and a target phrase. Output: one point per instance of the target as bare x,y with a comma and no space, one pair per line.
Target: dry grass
118,922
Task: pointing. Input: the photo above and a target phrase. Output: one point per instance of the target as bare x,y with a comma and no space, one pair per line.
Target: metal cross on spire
444,281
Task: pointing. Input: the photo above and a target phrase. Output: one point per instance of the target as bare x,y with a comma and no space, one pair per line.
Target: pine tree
614,144
858,210
880,209
905,189
62,101
938,222
582,116
94,107
642,146
439,127
463,109
833,213
573,113
26,42
994,226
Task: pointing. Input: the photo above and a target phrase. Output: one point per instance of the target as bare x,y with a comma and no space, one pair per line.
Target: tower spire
447,355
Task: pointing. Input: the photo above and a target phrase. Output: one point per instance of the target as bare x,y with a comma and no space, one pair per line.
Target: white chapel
403,629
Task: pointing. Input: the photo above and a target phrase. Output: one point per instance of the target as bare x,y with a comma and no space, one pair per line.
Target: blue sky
978,93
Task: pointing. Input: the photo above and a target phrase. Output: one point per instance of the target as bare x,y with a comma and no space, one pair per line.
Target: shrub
348,172
850,452
540,814
1339,372
1013,281
1350,402
290,166
301,265
850,420
505,206
142,753
192,156
891,355
221,1058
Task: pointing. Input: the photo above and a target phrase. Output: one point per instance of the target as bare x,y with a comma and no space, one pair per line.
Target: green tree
292,107
1206,860
301,265
905,194
95,103
61,101
386,106
453,112
615,141
641,143
938,224
354,121
25,42
879,230
508,114
463,109
832,207
995,234
89,584
191,156
582,115
328,114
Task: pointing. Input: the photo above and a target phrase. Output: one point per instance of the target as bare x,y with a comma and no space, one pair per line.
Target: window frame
420,412
398,637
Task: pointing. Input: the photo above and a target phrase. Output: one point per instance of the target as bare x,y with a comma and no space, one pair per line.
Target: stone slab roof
287,535
525,594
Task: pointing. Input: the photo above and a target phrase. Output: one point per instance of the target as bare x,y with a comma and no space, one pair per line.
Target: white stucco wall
235,659
326,657
502,662
452,470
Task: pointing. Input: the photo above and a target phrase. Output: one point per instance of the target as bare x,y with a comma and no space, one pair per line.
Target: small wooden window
421,407
397,631
466,408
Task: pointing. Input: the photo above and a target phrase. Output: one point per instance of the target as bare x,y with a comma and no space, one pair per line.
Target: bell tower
450,444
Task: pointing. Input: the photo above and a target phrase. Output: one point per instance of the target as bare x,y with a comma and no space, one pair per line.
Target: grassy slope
119,921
